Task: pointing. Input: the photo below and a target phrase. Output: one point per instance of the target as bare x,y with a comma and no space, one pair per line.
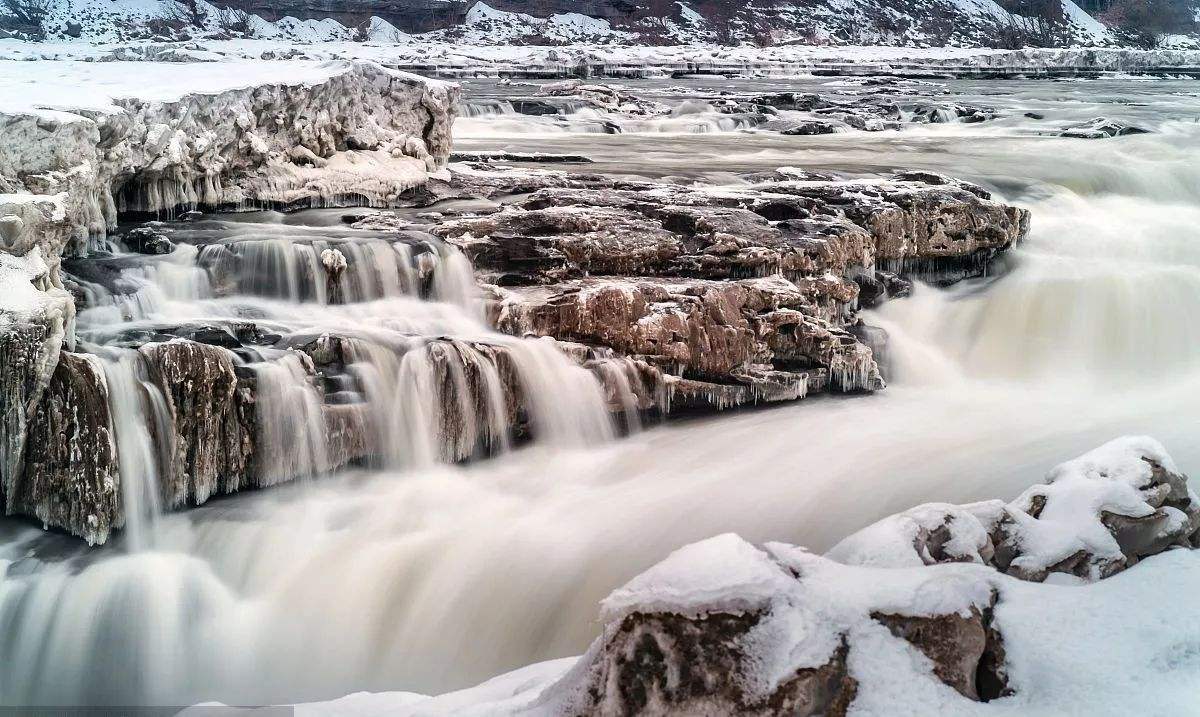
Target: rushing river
430,577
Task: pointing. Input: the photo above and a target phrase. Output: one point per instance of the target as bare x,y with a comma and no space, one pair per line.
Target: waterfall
353,346
139,414
291,425
425,570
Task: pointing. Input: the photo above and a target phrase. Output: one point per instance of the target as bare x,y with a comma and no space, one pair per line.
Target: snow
689,14
1127,644
76,85
66,86
486,25
1108,479
1083,22
890,542
18,276
723,573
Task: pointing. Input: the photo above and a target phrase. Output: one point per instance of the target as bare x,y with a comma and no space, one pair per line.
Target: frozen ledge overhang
157,137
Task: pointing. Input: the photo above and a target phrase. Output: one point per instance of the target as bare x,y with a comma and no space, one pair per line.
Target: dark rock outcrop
210,441
1101,128
71,477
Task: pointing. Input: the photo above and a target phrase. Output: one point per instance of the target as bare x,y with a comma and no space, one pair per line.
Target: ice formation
162,139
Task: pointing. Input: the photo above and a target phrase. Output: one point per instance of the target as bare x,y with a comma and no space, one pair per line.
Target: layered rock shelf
725,296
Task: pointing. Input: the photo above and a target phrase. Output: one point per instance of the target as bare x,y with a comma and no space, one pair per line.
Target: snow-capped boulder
1094,516
1099,514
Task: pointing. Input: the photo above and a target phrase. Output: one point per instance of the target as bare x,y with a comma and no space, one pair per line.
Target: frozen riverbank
583,60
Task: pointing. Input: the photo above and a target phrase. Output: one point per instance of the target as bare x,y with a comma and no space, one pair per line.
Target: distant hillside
912,23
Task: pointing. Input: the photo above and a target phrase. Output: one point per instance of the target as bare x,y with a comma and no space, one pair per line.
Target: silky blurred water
437,578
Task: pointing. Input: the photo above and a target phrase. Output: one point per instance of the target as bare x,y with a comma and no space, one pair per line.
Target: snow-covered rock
1095,516
892,621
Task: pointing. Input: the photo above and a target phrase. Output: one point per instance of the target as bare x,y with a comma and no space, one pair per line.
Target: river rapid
432,577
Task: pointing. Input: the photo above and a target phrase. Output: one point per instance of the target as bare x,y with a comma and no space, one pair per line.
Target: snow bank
884,623
155,136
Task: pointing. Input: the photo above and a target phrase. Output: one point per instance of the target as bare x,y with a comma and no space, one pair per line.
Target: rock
1095,516
1099,514
71,478
676,276
23,378
146,240
669,664
1100,128
801,101
721,627
936,113
803,126
211,438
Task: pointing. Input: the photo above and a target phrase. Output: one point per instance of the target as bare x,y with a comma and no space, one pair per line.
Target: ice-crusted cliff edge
81,142
1060,601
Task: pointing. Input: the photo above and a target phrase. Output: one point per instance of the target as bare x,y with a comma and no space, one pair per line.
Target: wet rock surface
71,477
732,295
1101,128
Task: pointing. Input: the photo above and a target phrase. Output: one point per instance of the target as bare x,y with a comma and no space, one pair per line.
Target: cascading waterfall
139,414
438,576
422,372
291,427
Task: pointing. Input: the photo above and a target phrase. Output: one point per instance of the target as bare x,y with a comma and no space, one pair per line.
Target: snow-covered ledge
153,137
80,141
1054,603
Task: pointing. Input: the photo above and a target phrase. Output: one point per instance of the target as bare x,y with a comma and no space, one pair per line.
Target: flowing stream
419,573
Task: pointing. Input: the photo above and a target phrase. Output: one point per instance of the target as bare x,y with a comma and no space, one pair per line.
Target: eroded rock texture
71,477
661,663
732,294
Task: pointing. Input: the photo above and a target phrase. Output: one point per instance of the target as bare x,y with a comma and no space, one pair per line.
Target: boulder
1093,517
145,240
1101,128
